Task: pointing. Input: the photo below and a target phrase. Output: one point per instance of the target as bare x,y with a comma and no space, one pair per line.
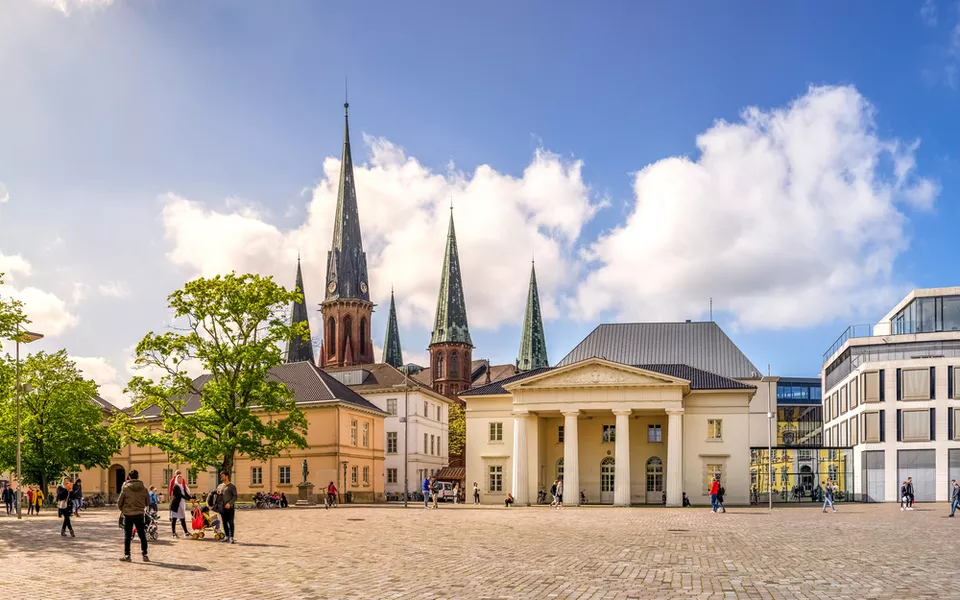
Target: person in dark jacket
8,496
64,507
904,497
76,497
910,493
228,498
132,503
955,497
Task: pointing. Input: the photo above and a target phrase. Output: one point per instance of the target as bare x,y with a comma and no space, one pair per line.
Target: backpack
213,501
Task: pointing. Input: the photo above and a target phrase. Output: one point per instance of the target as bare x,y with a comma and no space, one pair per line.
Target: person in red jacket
714,493
331,495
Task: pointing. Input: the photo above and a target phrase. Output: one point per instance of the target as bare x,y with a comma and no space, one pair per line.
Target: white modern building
889,392
417,421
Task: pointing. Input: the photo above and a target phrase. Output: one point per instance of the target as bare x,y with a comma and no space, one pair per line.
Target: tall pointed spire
346,261
450,324
391,345
298,348
533,345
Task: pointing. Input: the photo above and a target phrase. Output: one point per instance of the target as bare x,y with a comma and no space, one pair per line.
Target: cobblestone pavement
863,551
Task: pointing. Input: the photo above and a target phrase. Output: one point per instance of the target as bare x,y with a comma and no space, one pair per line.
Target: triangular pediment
597,372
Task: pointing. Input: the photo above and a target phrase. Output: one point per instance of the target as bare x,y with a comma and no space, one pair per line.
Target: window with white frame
916,425
426,441
426,412
715,429
366,476
711,471
353,475
560,434
654,434
391,442
167,476
353,432
391,475
392,406
560,469
366,435
609,434
496,432
439,409
284,475
496,478
431,445
654,474
192,477
256,475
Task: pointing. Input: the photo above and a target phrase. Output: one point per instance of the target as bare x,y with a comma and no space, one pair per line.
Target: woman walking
560,493
179,492
64,507
476,493
38,498
76,497
828,496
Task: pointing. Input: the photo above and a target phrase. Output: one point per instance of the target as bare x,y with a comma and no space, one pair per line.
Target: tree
457,433
234,332
11,317
62,428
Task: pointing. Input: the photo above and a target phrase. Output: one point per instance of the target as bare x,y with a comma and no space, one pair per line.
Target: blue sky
128,131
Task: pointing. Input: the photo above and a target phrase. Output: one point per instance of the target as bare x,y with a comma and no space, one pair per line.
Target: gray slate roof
702,345
309,384
698,378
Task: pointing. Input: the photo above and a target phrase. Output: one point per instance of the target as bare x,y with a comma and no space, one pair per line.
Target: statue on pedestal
305,470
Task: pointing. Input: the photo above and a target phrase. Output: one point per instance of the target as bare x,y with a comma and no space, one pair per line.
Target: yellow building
345,439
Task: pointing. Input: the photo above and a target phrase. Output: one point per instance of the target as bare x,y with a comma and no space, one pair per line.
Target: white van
446,491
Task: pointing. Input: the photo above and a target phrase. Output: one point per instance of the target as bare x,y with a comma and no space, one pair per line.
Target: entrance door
606,480
654,481
873,478
922,466
120,479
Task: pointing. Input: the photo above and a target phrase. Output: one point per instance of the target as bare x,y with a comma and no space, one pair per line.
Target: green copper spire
451,322
300,349
391,345
533,345
346,261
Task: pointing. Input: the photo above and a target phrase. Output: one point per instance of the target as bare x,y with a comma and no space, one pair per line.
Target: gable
597,373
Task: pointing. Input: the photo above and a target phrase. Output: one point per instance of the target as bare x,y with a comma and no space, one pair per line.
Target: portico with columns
625,435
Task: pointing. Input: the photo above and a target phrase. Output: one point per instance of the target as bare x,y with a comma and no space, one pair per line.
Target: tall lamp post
342,493
406,437
26,337
770,425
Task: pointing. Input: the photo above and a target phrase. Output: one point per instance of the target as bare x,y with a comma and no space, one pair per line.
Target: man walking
425,488
435,487
132,503
955,497
228,498
8,498
910,494
828,497
715,493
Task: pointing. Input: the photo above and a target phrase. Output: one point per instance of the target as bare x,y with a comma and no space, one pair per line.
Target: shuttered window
916,384
871,427
916,425
871,386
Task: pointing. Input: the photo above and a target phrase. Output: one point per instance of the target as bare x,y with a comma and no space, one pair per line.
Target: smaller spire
300,349
391,345
533,345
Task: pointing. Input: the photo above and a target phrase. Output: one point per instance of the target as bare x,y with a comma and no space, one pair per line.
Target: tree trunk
227,466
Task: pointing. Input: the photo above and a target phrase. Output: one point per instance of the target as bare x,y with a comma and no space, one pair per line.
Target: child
154,498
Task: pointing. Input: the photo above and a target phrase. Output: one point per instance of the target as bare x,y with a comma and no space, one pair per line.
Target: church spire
533,345
391,345
346,261
450,324
298,348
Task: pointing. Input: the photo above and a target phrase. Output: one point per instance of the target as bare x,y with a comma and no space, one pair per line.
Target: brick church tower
450,346
346,307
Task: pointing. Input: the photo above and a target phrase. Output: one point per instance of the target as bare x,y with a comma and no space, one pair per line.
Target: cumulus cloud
100,370
928,13
114,289
68,6
404,206
4,194
788,217
14,265
47,312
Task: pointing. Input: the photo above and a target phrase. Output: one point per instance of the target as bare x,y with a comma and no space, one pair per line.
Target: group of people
34,497
431,489
556,492
907,494
270,499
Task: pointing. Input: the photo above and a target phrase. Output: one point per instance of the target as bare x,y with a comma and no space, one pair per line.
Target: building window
391,442
366,476
710,472
167,476
915,384
871,430
392,406
560,434
439,409
607,469
916,425
609,434
560,469
284,475
654,475
854,393
366,435
654,434
353,475
426,440
496,432
353,432
844,406
363,336
439,366
871,386
496,478
391,475
431,445
256,475
714,429
426,410
331,337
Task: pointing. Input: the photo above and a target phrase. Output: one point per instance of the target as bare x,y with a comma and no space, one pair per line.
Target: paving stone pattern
863,551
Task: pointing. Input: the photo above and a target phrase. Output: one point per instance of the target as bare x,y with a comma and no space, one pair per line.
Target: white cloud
114,289
101,371
501,221
928,13
68,6
788,217
79,292
47,312
4,194
13,265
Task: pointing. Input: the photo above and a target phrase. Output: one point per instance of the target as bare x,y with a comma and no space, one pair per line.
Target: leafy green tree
235,327
457,433
11,316
62,427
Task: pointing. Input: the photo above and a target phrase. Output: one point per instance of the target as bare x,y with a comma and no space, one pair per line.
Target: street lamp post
344,463
26,337
406,436
769,380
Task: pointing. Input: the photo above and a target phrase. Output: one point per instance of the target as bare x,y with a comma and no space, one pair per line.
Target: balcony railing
854,331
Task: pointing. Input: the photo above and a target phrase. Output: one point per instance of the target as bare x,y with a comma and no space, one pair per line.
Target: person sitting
509,500
686,501
283,500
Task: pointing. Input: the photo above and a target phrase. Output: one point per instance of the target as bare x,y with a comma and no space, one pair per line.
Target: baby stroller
203,519
150,517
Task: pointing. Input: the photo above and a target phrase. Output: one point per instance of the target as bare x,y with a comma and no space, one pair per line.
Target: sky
794,162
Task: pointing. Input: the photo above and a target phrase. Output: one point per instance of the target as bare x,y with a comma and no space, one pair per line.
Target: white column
521,496
621,476
675,458
571,459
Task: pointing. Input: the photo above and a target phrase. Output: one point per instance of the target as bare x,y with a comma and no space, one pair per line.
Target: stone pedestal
305,494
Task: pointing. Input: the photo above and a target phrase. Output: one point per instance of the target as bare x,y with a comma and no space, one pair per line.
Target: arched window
439,367
455,365
560,469
363,336
654,475
331,337
347,335
606,474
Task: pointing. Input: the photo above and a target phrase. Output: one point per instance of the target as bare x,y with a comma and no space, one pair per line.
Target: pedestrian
904,498
38,499
8,496
30,501
154,498
720,493
828,496
331,495
179,492
283,500
76,496
714,492
425,489
228,498
559,493
435,487
476,493
133,500
64,507
955,497
508,501
456,493
910,494
553,494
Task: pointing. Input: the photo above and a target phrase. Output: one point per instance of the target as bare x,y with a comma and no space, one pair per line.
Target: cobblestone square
863,551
